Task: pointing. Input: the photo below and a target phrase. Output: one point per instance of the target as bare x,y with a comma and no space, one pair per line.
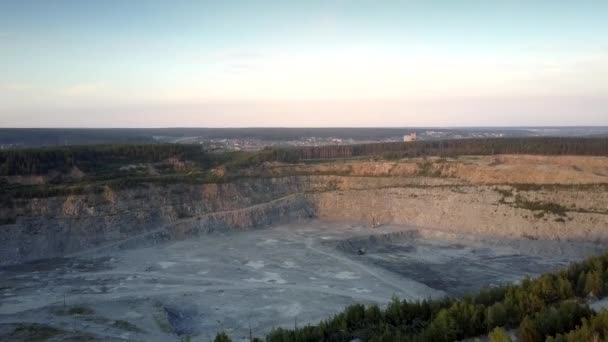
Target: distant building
409,137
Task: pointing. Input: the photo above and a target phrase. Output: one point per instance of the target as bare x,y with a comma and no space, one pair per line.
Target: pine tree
580,284
222,337
593,283
527,331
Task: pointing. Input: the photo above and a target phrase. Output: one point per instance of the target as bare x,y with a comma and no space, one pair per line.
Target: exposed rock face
477,195
470,210
56,226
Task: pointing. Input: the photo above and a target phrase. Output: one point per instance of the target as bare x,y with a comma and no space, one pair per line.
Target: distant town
254,144
252,139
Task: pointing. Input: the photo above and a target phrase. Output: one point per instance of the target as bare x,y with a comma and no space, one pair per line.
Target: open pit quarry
290,244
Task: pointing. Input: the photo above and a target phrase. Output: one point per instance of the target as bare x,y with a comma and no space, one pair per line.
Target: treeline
43,160
251,159
548,308
38,137
446,148
32,137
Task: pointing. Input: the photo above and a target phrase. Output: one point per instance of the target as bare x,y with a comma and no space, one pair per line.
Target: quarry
303,171
290,244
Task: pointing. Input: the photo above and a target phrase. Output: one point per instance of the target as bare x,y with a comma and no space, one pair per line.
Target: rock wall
366,192
465,210
57,226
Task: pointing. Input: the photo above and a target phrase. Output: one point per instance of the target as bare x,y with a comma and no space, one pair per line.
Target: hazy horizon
515,127
335,63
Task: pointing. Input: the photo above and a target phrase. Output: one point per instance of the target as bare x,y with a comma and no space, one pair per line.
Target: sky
348,63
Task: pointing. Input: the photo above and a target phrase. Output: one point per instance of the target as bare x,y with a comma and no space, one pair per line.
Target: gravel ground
258,279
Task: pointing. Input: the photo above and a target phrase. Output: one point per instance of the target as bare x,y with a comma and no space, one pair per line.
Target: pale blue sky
303,63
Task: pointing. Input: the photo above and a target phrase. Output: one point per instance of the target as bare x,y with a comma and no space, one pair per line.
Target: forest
552,307
37,161
455,147
36,137
125,166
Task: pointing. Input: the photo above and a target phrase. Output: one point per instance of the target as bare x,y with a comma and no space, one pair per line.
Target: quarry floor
258,279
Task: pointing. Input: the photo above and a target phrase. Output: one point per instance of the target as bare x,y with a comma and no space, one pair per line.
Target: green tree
354,315
393,311
222,337
373,315
496,316
593,283
443,328
527,331
592,329
580,284
499,335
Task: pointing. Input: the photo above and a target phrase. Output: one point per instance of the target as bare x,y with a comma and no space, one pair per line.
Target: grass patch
504,192
98,186
576,187
426,169
543,207
540,208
